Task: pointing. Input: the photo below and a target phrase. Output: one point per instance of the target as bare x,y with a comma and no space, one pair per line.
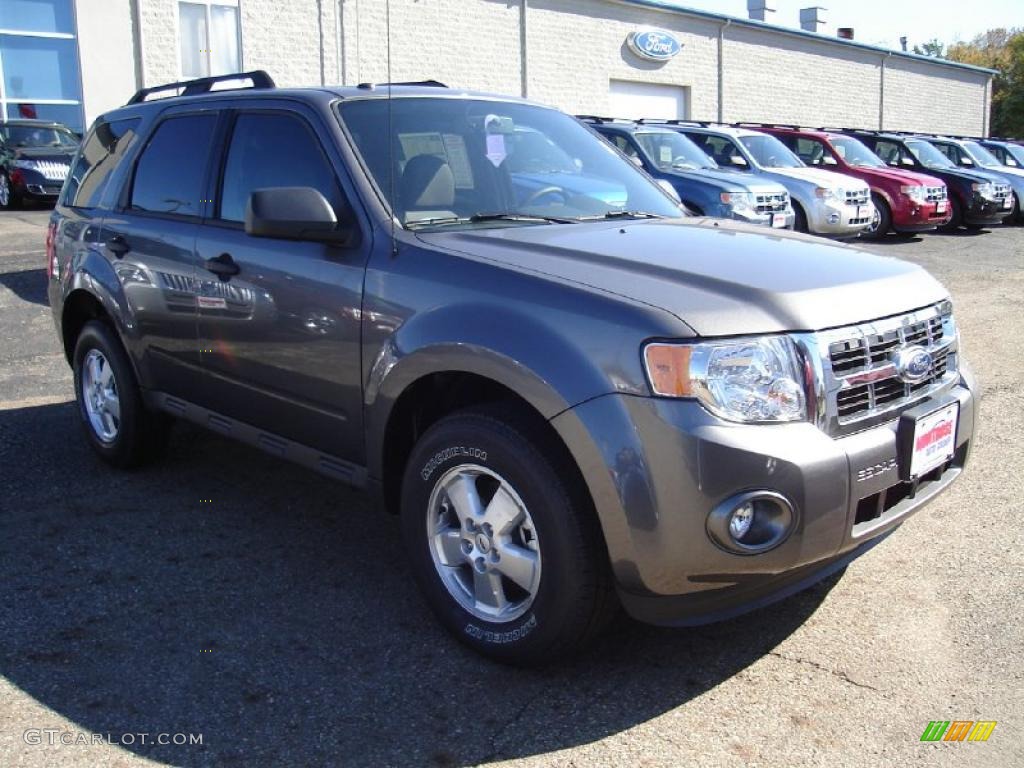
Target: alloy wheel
5,191
100,397
483,543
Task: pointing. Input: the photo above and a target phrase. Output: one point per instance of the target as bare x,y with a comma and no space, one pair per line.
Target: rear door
281,338
150,237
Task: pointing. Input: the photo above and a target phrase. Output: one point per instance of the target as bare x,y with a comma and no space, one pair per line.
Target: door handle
223,266
118,246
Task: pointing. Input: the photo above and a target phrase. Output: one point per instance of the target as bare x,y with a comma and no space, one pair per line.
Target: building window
209,38
39,76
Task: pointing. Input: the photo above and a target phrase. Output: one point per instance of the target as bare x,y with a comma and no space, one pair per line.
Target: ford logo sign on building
653,44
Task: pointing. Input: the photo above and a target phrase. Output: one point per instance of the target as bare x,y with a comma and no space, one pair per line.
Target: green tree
932,48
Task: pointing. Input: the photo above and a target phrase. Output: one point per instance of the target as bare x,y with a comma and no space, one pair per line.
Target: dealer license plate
940,206
778,221
934,439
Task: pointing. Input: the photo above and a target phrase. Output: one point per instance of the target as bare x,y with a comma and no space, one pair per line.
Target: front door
281,337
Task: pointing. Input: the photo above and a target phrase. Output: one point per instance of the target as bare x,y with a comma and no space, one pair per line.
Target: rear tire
484,496
117,424
883,219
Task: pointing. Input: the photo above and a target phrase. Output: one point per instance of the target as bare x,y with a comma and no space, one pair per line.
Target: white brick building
569,53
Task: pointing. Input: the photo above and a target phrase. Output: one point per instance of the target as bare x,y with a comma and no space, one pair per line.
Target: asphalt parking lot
269,610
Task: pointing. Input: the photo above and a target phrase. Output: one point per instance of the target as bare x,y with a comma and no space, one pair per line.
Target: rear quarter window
101,153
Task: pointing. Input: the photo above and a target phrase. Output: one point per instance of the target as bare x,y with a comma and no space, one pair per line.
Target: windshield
981,156
855,153
480,163
769,152
927,155
1016,152
37,136
532,152
668,150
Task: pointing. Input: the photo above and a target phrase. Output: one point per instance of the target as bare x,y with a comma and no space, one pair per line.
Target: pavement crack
838,673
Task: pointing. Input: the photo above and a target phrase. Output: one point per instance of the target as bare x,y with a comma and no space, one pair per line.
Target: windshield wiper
478,217
623,215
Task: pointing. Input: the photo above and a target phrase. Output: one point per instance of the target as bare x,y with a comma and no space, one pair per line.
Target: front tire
9,199
117,424
957,218
800,221
882,220
502,543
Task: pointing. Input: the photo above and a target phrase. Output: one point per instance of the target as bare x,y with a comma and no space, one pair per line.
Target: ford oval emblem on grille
913,364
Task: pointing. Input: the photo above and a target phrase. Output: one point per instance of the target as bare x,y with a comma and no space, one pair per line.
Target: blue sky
881,22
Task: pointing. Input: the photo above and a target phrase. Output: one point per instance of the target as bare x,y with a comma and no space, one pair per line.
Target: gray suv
573,399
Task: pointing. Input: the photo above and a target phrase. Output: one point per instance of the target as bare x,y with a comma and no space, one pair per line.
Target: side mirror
636,160
296,213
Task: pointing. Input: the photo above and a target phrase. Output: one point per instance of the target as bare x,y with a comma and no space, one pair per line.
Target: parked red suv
905,201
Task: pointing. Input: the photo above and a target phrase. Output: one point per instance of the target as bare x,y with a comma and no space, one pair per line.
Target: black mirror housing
296,213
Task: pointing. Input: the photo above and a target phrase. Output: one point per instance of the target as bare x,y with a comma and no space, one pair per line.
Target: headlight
28,165
739,200
748,380
838,194
917,194
985,190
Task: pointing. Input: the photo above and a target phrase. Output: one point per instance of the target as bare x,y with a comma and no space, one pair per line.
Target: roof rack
259,78
598,118
417,83
678,121
749,124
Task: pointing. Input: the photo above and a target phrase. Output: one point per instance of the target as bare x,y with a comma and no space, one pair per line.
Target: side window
101,153
170,172
810,151
273,150
888,152
960,157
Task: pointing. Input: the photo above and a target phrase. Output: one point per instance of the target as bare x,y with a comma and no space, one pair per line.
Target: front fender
535,359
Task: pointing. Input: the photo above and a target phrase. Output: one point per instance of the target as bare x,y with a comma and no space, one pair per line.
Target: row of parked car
836,182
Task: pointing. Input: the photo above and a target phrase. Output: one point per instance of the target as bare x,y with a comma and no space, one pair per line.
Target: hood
727,180
1014,176
901,175
44,154
719,277
819,177
970,175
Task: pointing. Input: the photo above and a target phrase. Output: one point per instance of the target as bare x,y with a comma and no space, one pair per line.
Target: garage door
652,100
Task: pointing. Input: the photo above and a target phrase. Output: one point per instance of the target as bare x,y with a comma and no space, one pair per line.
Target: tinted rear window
169,175
101,153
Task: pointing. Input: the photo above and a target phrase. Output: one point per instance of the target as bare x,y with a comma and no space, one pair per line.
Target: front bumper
656,468
912,216
838,220
769,220
983,212
32,185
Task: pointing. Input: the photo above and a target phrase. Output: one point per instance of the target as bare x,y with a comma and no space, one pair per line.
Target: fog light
833,218
740,520
752,522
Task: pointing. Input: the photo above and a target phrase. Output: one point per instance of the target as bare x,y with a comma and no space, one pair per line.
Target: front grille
935,194
857,196
52,171
777,202
1002,191
864,378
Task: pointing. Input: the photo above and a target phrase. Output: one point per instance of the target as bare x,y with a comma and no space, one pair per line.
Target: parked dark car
35,156
570,403
1009,153
977,198
969,153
